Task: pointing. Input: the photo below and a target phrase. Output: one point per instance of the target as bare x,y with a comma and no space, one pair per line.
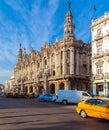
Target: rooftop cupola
69,26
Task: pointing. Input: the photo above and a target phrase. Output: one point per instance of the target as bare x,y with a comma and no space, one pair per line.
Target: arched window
31,89
53,72
38,65
52,88
53,58
44,62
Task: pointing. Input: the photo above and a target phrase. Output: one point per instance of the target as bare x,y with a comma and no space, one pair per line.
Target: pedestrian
33,95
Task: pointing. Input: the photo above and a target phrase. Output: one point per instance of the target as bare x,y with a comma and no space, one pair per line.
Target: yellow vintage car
94,107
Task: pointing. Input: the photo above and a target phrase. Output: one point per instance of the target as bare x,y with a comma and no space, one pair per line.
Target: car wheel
54,100
83,114
64,102
42,100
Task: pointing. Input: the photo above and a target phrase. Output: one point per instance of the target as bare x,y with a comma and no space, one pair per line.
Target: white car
71,96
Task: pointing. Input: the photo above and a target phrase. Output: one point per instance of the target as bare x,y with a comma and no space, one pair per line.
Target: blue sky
34,22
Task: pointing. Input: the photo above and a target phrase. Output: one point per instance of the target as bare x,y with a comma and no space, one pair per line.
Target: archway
31,89
26,89
61,86
52,88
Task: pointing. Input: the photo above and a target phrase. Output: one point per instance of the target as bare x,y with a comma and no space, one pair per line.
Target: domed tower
69,26
20,56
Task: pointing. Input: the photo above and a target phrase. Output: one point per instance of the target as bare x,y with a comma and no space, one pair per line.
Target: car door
100,110
48,97
88,107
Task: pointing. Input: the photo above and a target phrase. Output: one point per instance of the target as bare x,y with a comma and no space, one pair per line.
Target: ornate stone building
66,64
100,55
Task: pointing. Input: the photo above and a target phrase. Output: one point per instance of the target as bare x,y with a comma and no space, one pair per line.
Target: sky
36,22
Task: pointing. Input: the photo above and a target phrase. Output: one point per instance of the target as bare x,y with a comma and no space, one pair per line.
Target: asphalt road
29,114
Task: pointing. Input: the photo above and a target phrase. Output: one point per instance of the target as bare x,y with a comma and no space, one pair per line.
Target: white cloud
5,74
33,28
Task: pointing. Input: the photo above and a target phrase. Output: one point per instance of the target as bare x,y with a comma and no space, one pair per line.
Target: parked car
95,107
45,97
71,96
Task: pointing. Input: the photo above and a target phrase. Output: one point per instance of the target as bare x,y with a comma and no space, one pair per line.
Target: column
68,83
88,64
72,60
81,64
34,89
64,61
94,89
45,83
28,89
105,88
56,65
21,84
77,61
59,63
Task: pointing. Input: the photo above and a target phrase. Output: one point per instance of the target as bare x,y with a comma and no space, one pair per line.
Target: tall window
84,58
99,32
99,48
45,62
84,69
38,65
61,55
52,58
61,59
99,69
53,64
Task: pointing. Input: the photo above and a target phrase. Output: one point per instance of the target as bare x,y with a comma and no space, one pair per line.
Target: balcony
98,55
107,52
106,75
98,36
99,76
107,32
39,74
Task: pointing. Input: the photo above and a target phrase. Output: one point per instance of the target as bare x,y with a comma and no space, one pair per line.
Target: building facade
66,64
10,84
100,55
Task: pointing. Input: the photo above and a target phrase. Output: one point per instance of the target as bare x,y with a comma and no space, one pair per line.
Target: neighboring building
1,89
100,54
66,64
10,85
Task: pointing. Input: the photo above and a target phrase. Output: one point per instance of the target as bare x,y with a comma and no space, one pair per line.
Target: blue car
45,97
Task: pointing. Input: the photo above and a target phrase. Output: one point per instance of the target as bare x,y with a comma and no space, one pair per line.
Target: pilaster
64,61
77,62
72,60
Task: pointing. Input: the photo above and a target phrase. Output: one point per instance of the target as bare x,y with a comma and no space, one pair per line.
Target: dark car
45,97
